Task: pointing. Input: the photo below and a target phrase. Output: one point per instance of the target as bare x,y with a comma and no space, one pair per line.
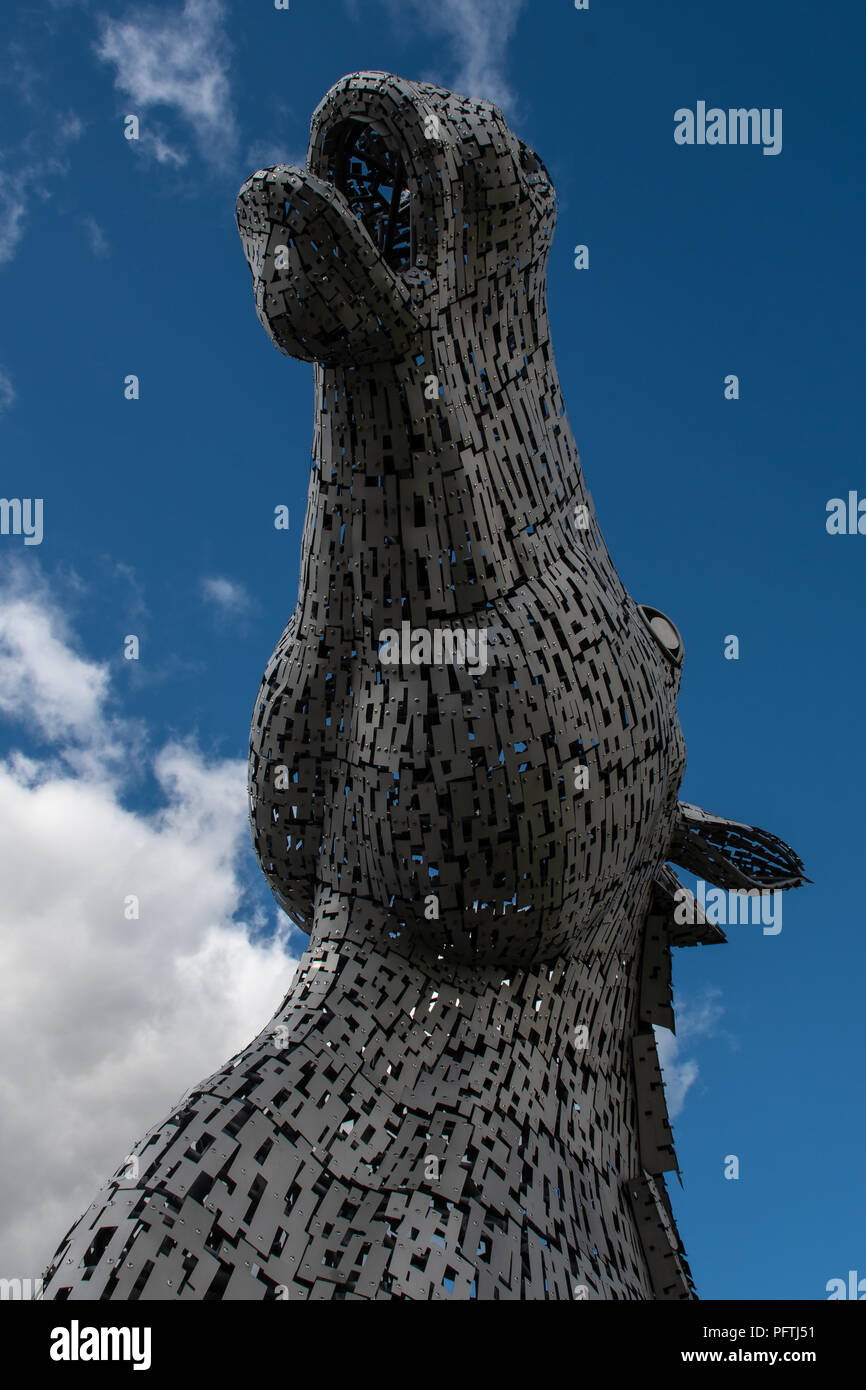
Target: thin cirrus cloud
28,174
477,34
96,237
173,61
7,391
178,62
226,595
14,197
109,1020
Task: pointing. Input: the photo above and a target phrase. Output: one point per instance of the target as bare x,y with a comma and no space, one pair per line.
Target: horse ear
733,856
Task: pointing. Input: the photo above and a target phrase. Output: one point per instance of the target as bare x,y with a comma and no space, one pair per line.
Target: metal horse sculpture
464,768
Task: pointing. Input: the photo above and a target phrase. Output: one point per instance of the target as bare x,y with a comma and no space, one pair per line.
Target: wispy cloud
287,140
164,152
28,173
477,33
266,154
96,238
696,1020
177,61
226,594
13,212
106,1013
21,74
7,390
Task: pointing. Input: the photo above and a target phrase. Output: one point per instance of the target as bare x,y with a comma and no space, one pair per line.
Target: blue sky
121,257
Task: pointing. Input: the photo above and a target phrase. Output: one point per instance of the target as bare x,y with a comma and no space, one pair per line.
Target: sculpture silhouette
464,767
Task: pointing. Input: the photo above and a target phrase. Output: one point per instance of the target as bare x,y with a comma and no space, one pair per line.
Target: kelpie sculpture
464,768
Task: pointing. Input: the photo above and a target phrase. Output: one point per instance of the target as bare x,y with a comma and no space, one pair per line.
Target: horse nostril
529,161
371,175
666,635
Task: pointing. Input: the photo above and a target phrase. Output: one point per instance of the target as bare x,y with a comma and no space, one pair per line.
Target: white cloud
226,594
61,697
42,680
107,1022
179,61
698,1020
7,390
478,33
162,151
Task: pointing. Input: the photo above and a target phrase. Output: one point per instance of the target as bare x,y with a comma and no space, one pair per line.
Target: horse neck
454,500
550,1048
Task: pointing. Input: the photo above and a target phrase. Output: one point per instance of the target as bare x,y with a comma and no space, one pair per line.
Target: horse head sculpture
464,772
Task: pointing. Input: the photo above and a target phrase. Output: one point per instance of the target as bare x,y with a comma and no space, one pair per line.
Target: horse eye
666,635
